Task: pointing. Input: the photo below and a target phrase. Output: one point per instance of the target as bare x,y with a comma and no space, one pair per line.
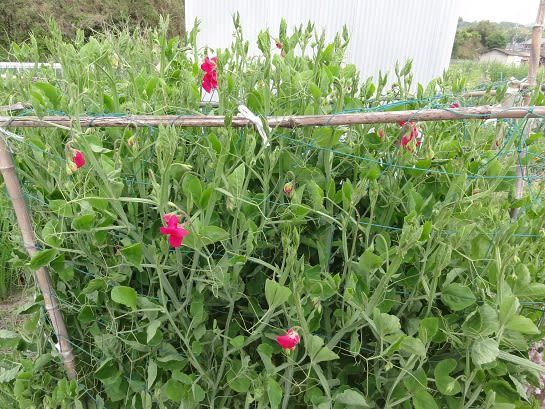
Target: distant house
527,45
505,56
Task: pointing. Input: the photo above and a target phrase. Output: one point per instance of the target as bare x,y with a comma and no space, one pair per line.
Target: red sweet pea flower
455,105
281,48
209,81
289,340
209,64
176,231
78,159
407,136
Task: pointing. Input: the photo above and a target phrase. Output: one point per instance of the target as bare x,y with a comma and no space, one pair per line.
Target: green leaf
42,258
133,254
428,328
533,291
314,90
8,339
107,369
52,233
265,352
275,294
174,390
237,342
274,392
521,362
192,187
8,375
235,180
151,330
457,296
413,346
204,236
62,207
198,392
417,380
86,315
51,92
237,378
152,373
369,261
94,285
484,351
386,324
150,86
508,308
523,325
124,295
423,400
352,398
316,194
318,352
84,222
446,384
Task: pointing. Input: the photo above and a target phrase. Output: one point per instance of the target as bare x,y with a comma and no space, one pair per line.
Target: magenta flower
78,159
455,105
407,137
289,340
209,81
174,229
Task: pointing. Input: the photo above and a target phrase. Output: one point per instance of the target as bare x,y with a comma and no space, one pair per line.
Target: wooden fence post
533,65
41,276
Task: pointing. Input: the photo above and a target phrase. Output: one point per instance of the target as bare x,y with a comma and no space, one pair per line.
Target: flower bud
288,189
71,168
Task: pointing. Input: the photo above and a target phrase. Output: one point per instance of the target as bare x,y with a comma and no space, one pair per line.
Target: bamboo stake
41,276
479,112
533,65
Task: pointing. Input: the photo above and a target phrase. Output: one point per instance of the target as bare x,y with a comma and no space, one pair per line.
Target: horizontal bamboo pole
41,276
479,112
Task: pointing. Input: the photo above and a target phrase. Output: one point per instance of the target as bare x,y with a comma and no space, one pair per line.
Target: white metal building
382,31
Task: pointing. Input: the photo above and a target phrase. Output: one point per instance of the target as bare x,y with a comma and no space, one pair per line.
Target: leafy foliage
400,269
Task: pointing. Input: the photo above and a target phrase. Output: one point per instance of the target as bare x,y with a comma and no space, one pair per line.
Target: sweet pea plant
344,267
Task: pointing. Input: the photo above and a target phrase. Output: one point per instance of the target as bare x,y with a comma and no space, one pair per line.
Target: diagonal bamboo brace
41,276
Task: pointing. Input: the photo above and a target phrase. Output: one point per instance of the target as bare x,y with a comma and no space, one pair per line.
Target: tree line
473,39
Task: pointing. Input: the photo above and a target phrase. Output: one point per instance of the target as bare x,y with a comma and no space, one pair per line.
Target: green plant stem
384,282
225,354
402,372
288,383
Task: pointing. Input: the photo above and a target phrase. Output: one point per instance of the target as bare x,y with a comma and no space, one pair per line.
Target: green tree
467,45
496,40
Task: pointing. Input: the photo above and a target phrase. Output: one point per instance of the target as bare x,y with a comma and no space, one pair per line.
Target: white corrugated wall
382,31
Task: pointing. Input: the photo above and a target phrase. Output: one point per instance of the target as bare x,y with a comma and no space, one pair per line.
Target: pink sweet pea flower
407,137
289,340
455,105
209,64
281,48
78,159
209,81
176,231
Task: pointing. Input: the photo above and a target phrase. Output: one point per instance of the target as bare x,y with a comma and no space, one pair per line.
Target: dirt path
10,319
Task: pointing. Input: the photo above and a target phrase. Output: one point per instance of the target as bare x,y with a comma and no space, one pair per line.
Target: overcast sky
520,11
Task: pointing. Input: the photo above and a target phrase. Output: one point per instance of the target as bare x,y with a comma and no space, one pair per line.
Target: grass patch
476,73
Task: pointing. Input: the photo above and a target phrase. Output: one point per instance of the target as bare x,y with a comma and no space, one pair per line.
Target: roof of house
508,52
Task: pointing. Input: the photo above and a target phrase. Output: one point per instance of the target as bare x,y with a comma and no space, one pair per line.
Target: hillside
19,17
